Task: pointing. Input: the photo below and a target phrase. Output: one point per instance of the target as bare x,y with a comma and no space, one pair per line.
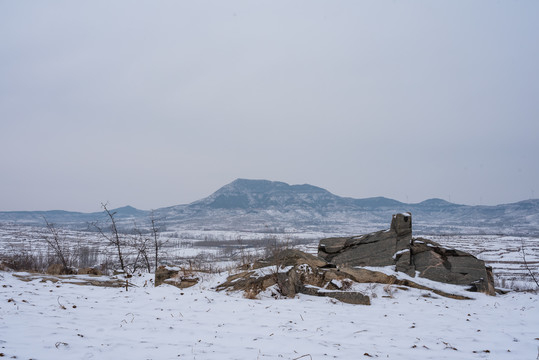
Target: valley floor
46,320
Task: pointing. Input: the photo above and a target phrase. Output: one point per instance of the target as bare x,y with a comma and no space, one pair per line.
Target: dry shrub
388,288
59,269
250,294
346,284
26,261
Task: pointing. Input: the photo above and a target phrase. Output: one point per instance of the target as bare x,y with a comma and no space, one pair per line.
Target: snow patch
400,252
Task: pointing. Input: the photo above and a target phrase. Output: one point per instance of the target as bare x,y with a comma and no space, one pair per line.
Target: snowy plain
221,248
58,320
46,319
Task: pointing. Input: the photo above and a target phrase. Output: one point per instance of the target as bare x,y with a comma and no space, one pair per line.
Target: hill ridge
246,204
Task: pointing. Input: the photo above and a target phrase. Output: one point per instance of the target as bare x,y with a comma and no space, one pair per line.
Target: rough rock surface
163,273
349,297
397,247
437,263
340,261
294,272
182,282
375,249
173,277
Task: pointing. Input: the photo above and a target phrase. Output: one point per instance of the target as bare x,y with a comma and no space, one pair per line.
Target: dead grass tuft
250,294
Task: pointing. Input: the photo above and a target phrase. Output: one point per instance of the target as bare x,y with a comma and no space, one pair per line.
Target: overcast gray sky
158,103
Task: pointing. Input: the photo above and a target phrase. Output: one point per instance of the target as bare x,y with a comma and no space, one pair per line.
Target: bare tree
526,264
157,243
114,239
140,243
58,245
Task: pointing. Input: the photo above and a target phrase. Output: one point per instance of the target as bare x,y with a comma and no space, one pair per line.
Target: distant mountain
263,194
436,203
68,218
262,205
377,202
274,195
257,205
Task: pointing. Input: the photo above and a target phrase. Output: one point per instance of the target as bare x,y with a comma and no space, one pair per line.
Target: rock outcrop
341,263
396,247
381,248
434,262
175,277
292,272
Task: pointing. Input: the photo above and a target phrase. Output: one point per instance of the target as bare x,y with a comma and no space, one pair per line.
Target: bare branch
157,243
526,264
115,239
57,244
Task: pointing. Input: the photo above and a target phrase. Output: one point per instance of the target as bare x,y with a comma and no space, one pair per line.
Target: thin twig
526,264
61,306
302,356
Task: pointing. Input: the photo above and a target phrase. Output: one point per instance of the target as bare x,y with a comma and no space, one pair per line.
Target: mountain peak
436,202
258,194
128,211
268,186
253,185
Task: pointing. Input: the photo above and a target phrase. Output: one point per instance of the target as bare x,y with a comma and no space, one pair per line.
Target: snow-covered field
46,320
42,319
503,253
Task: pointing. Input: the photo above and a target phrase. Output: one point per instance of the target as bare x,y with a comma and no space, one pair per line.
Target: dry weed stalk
388,288
250,294
527,266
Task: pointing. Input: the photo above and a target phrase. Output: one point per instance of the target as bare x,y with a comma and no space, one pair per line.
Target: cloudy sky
158,103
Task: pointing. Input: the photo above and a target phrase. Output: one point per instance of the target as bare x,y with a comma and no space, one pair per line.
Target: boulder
290,257
293,272
340,261
289,269
163,273
396,247
349,297
434,262
182,282
376,249
172,276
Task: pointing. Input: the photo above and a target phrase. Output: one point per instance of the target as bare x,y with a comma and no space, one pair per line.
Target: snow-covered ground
503,253
46,320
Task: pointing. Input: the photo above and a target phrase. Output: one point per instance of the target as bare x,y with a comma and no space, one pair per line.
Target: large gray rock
380,248
171,276
434,262
349,297
396,247
293,272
